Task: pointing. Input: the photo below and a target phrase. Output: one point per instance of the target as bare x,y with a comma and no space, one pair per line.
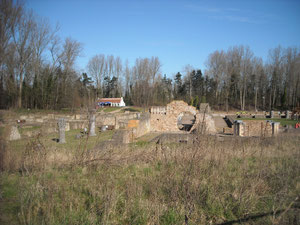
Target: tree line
37,70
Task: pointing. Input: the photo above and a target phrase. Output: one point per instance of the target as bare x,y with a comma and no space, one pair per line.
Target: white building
112,102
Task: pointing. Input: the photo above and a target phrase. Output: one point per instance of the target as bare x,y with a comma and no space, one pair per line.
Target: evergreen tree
179,88
197,83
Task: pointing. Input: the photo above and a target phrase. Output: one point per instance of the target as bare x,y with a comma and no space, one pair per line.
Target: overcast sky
178,32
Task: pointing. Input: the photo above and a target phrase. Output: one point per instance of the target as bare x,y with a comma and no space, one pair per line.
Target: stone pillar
239,128
92,123
287,114
271,114
275,128
62,129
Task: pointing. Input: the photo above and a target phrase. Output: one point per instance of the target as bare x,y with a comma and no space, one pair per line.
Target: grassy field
253,181
133,109
109,109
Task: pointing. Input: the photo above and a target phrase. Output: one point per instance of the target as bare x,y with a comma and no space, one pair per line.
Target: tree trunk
20,91
241,99
274,98
255,100
270,103
244,98
227,96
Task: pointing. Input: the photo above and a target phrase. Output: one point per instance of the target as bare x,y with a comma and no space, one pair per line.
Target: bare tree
10,15
246,71
155,66
118,71
258,73
216,65
96,68
110,65
127,74
23,39
71,50
291,76
275,73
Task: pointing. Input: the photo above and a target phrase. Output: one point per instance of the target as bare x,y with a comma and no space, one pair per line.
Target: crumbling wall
258,128
204,124
204,108
143,126
116,120
132,129
108,119
168,121
254,128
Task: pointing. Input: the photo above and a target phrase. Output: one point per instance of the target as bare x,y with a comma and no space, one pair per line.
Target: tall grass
205,182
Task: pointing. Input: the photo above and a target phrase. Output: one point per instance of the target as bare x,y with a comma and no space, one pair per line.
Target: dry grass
207,182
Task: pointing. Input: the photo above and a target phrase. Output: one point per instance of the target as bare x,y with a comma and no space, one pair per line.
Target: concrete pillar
62,130
239,128
92,123
271,114
287,114
275,128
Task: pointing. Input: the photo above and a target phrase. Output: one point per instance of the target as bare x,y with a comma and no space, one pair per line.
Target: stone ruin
179,116
12,133
255,128
92,123
62,129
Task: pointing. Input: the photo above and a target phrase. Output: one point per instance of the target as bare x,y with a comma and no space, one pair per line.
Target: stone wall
204,124
109,120
158,110
116,120
258,128
254,128
75,121
204,108
168,121
143,126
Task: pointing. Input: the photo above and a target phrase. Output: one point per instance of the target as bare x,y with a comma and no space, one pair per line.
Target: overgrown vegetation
207,182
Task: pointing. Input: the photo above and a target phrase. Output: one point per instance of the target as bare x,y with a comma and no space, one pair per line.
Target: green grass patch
141,143
25,129
1,131
110,109
9,204
132,109
72,143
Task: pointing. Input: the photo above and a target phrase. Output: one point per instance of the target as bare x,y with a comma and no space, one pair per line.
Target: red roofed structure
111,102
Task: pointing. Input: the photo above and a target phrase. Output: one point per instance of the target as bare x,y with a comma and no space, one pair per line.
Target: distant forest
37,70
